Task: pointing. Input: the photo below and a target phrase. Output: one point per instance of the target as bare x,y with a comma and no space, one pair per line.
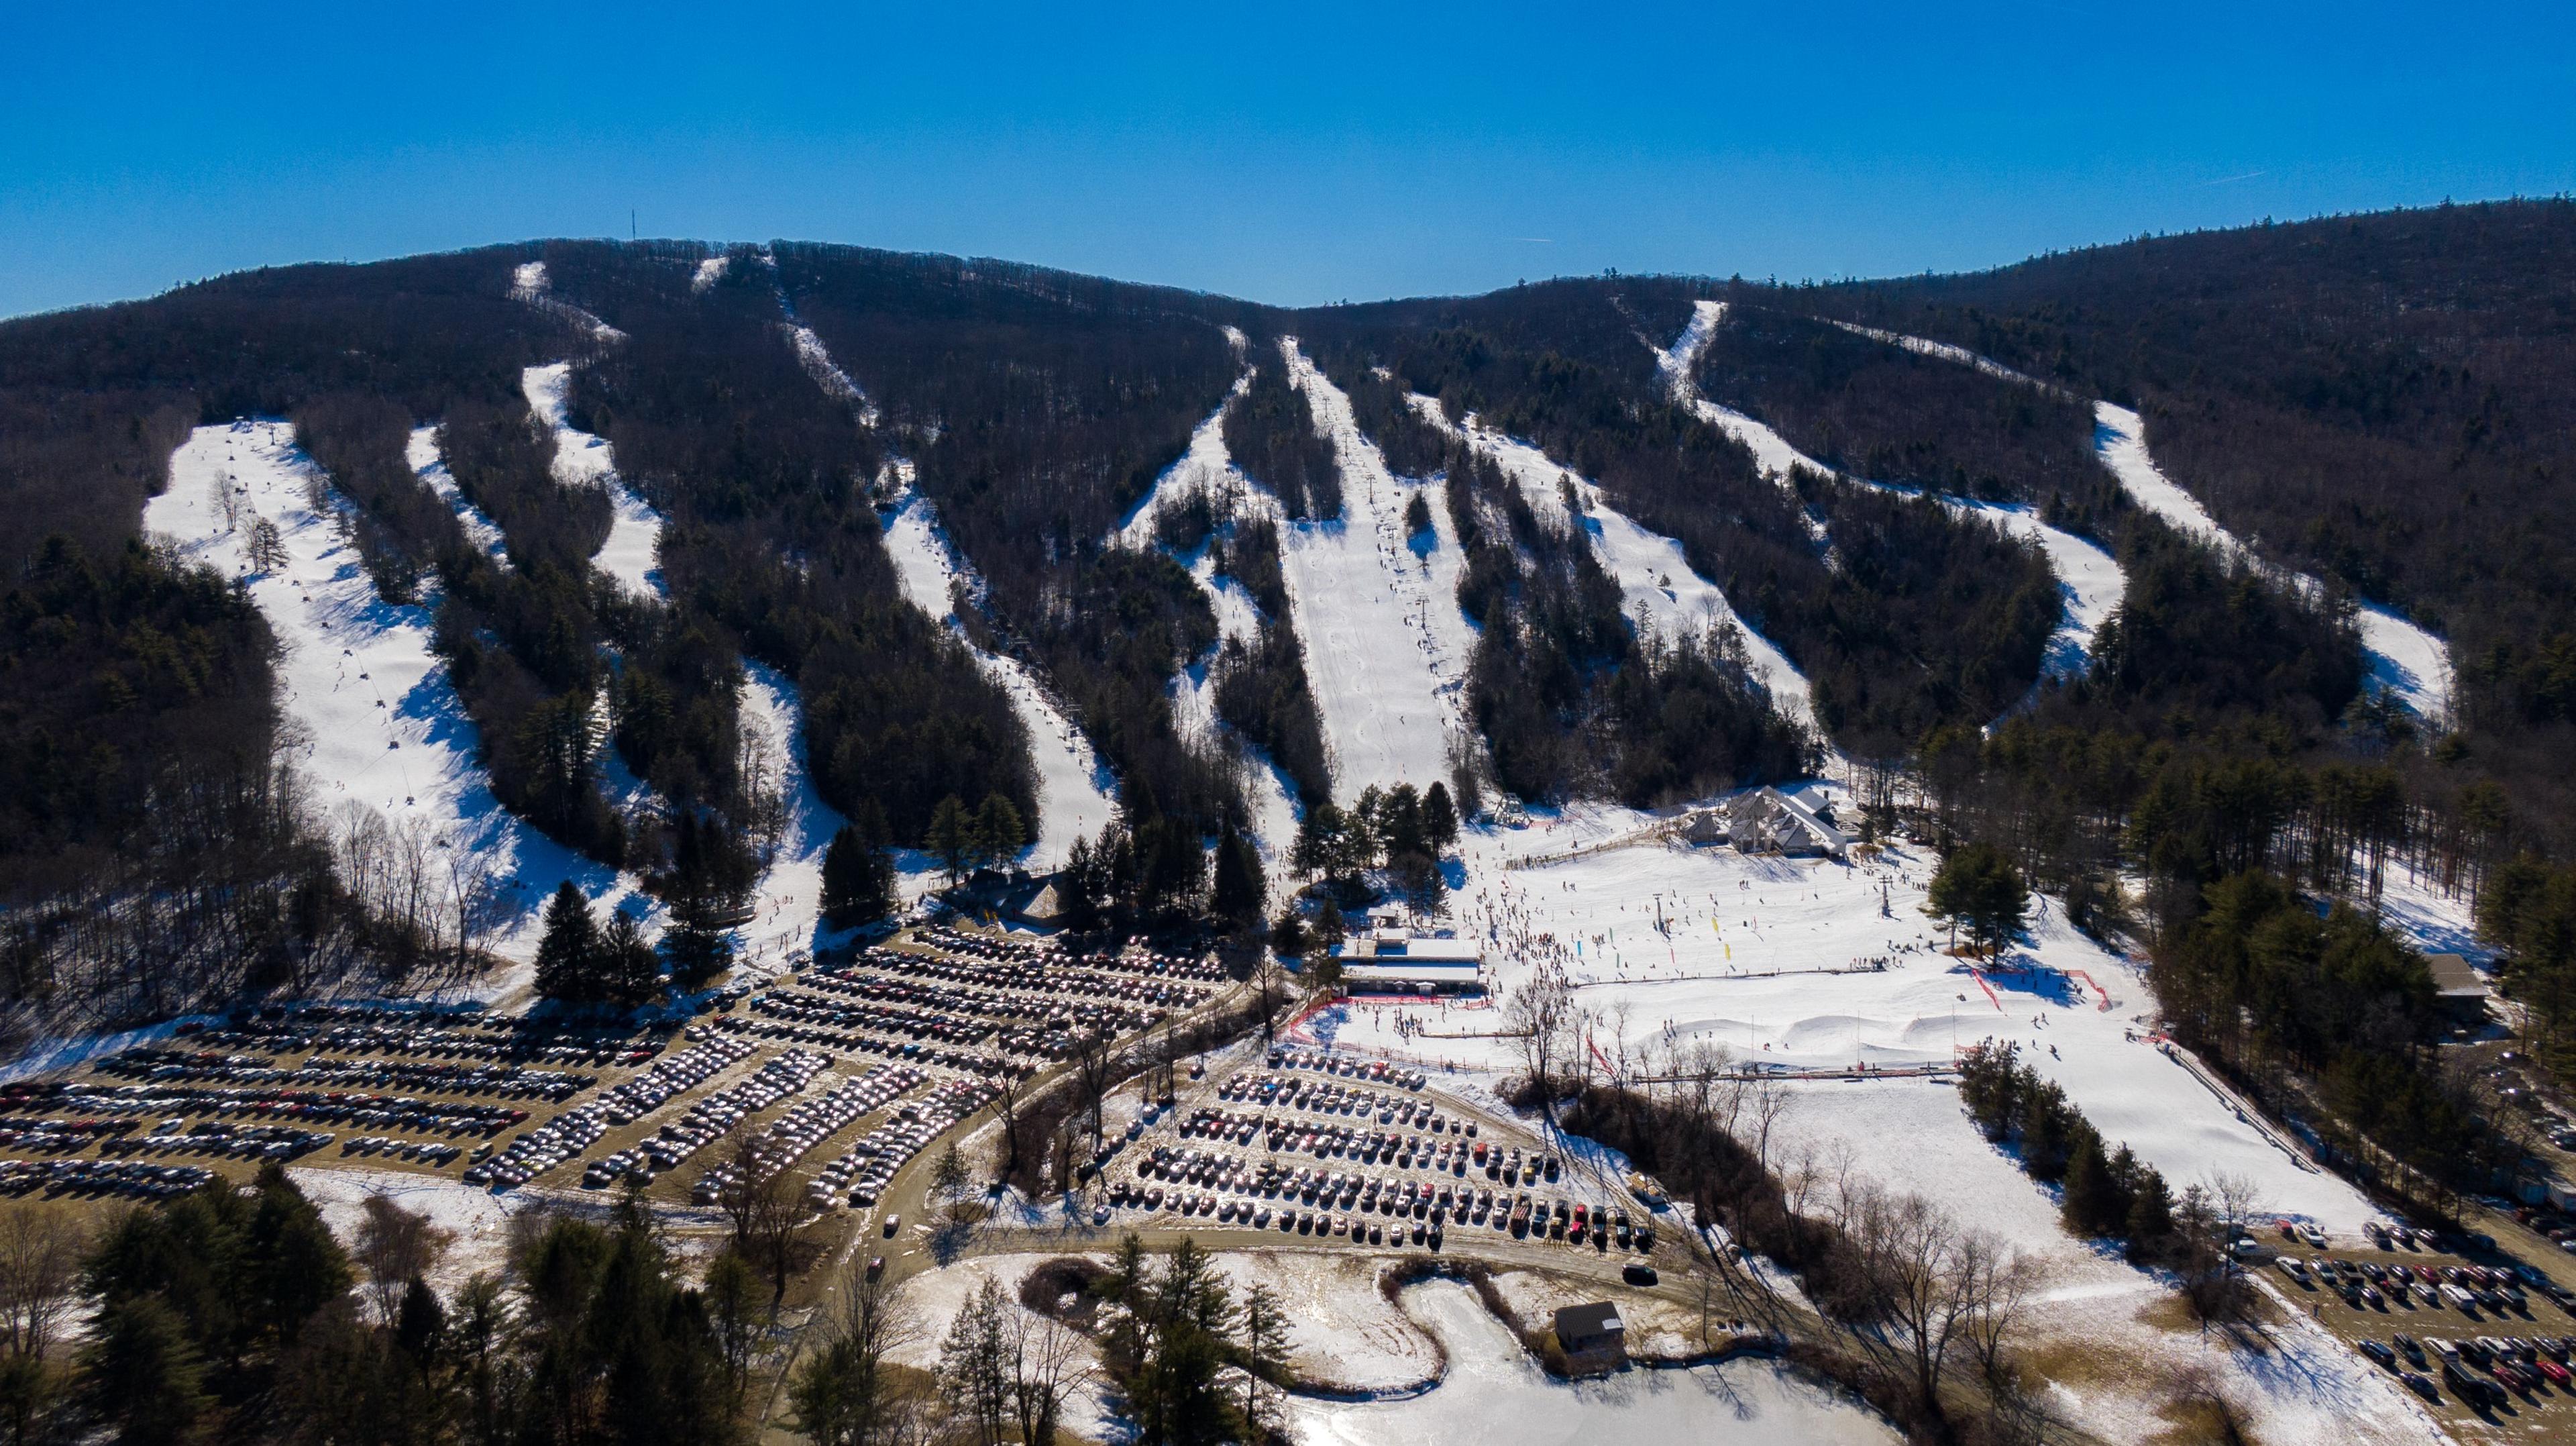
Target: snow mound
635,536
380,724
1075,788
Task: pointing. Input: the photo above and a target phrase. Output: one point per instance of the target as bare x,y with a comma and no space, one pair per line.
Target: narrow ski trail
1207,468
381,724
2089,580
629,555
1386,646
2404,659
788,905
1075,789
421,453
1654,574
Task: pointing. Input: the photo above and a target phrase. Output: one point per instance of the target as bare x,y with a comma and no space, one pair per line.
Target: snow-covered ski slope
423,456
635,534
1208,468
1653,573
529,284
1386,646
788,911
2088,578
2404,659
1075,789
380,723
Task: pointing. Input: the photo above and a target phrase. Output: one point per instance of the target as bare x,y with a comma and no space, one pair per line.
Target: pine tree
694,947
566,970
1239,890
629,972
1439,818
2150,1223
998,832
858,880
951,836
2092,1204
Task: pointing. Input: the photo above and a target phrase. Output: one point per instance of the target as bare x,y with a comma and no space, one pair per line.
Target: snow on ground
1342,1332
478,1220
789,905
528,283
1386,647
635,534
709,272
1944,351
422,454
2088,578
1494,1392
1075,789
380,723
934,1299
1653,572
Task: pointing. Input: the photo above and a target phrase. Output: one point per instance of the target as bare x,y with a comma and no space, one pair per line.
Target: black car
1637,1273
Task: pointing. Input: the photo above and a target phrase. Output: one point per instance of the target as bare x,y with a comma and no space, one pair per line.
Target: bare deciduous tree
395,1246
41,1244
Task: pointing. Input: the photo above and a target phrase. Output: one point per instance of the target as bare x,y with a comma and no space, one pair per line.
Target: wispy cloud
1537,240
2231,180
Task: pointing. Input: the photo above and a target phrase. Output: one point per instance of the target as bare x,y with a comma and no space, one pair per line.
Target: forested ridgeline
2381,400
1922,617
1880,412
1270,433
1039,408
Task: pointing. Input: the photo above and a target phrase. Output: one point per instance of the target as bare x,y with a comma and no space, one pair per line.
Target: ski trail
709,272
635,533
788,907
1386,649
2089,581
1074,786
1663,592
813,355
529,284
1944,351
1771,451
380,723
422,454
1207,467
2404,659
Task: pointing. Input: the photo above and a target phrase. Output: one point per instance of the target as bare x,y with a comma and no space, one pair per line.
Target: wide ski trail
1386,647
380,723
629,555
422,454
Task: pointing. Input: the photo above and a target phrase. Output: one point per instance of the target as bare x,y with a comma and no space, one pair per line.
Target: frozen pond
1495,1394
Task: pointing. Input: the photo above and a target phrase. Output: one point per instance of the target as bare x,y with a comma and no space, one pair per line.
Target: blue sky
1292,154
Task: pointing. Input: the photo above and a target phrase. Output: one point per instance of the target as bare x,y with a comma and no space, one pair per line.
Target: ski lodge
1391,959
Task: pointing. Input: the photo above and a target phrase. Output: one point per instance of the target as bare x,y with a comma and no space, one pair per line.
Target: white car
2310,1233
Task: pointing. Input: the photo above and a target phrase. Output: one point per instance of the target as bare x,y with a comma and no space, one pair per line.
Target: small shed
1592,1337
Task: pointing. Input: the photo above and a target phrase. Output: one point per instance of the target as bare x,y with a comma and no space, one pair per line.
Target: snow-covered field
635,534
1075,789
1653,573
478,1221
1494,1393
1386,647
422,454
2088,577
380,724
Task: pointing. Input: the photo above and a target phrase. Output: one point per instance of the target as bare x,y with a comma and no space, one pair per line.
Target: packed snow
379,723
789,906
529,283
1494,1392
1944,351
709,272
423,456
2403,658
1075,789
1386,646
635,533
2089,579
1653,572
477,1221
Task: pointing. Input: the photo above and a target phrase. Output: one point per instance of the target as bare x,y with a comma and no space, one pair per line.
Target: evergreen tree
629,972
858,878
951,836
1978,889
1439,818
1239,890
2150,1223
2092,1204
140,1372
999,833
1288,936
567,952
694,947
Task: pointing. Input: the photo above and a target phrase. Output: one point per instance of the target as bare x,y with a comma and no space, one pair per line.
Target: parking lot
839,1073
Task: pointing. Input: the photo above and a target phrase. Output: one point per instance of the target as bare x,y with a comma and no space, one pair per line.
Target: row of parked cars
1342,1066
216,1137
2478,1369
807,1123
673,1075
541,1149
868,1165
323,1107
716,1115
170,1066
402,1030
1269,1090
117,1179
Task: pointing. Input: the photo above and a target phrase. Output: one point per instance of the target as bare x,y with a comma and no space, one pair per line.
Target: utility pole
630,223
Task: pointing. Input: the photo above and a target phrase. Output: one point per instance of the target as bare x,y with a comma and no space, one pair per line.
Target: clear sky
1288,153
